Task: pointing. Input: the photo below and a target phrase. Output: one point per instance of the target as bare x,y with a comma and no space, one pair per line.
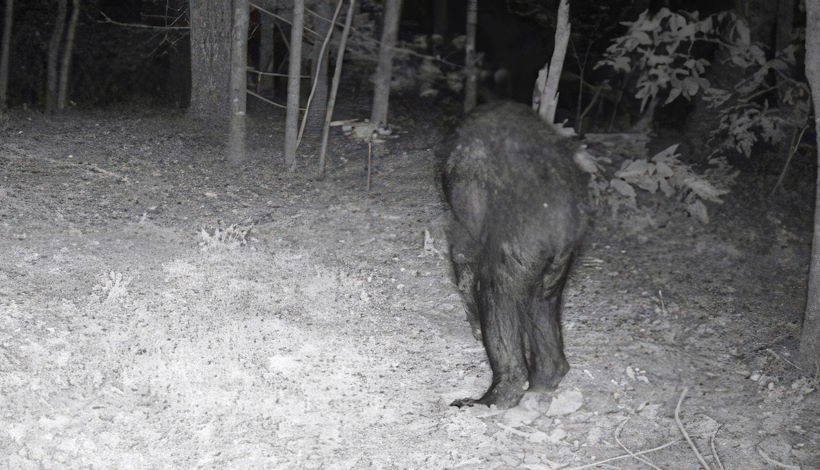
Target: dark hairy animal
516,201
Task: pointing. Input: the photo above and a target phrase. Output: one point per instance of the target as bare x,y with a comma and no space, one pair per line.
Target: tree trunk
210,60
266,32
322,52
54,57
5,47
239,80
294,76
318,105
785,24
549,96
179,63
68,50
440,17
337,75
810,336
381,92
471,85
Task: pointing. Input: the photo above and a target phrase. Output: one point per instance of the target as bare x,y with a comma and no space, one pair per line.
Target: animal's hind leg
500,310
462,256
545,361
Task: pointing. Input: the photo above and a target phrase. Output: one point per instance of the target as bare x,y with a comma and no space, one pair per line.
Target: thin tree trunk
179,60
334,87
239,79
440,17
318,107
266,32
294,76
783,38
210,61
381,92
471,85
810,336
54,57
784,25
5,48
68,50
316,82
549,95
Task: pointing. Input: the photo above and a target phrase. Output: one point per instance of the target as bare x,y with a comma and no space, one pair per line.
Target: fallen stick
626,456
686,435
714,451
512,430
641,459
774,462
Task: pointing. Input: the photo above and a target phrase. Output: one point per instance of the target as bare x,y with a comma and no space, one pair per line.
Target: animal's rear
516,197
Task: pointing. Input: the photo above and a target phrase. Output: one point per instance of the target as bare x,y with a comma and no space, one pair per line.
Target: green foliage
658,50
746,115
662,172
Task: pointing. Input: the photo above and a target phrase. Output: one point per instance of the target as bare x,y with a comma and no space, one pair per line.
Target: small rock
594,436
557,435
565,403
519,416
538,437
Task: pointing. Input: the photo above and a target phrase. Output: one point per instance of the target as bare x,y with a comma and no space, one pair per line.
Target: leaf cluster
657,48
664,172
770,99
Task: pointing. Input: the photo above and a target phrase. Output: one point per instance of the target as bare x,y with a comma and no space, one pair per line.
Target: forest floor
160,308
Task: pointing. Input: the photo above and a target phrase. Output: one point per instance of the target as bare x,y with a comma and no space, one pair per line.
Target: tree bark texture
5,48
68,50
239,80
52,77
810,335
294,76
471,84
381,92
210,60
549,96
318,105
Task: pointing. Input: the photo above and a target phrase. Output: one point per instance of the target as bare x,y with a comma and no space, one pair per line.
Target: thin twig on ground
618,440
70,164
774,462
769,350
714,450
626,456
663,304
685,434
512,430
369,157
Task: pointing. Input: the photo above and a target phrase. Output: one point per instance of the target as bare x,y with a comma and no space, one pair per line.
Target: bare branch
139,26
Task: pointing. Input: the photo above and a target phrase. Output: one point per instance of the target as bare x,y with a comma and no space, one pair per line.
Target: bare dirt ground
141,328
